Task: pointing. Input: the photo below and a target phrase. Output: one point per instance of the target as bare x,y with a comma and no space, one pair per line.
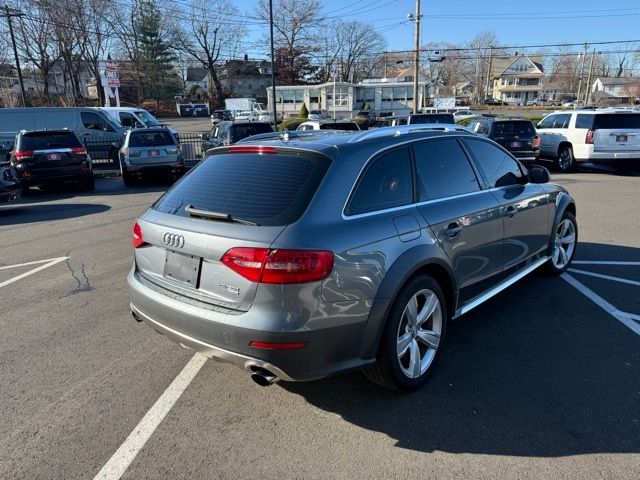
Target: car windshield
151,138
148,119
266,189
46,140
521,129
349,126
617,120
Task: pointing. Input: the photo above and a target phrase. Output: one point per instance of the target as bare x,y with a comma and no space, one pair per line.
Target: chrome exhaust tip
263,377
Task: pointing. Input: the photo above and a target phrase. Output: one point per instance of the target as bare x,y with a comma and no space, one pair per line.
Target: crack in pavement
83,284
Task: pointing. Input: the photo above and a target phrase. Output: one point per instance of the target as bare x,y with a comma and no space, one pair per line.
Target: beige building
517,79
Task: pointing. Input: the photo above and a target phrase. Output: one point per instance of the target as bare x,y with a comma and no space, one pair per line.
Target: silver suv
310,254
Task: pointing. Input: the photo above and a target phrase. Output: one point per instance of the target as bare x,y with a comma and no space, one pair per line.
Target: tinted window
499,168
443,169
92,121
519,128
349,126
151,139
547,122
562,121
584,121
386,183
45,140
127,120
241,131
432,118
266,189
617,120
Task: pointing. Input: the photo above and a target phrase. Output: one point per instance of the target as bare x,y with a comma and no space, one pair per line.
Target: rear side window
46,140
386,183
151,139
521,129
270,189
349,126
500,169
584,121
239,131
443,169
617,120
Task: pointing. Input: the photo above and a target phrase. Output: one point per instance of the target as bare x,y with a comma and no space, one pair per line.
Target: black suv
227,133
51,157
518,135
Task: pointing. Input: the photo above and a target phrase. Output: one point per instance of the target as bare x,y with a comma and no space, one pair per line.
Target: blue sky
514,22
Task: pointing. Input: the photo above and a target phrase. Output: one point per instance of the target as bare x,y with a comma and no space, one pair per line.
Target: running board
500,287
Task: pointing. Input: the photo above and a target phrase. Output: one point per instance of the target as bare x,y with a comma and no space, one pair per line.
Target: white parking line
623,317
589,262
125,454
51,262
605,277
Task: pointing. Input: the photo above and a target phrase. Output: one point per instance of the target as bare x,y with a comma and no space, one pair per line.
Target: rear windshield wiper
196,212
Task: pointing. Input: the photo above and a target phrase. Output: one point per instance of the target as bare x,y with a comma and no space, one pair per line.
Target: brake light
251,149
277,346
589,138
79,150
23,155
275,266
136,240
536,142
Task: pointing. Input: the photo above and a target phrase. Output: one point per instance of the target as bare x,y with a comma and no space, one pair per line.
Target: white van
131,117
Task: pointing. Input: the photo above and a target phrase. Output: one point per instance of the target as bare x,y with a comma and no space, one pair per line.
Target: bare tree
356,45
632,90
208,37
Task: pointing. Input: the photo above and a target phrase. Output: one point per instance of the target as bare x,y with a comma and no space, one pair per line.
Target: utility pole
587,94
584,56
9,13
486,88
274,112
477,89
384,56
416,56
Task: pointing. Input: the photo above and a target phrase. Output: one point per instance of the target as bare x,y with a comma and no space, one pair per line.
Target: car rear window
348,126
433,118
617,120
238,132
46,140
152,138
269,189
519,128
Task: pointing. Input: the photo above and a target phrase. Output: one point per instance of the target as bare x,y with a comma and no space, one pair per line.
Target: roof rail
407,129
287,135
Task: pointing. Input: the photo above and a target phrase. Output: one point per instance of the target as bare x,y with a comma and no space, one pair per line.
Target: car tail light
589,138
136,240
276,266
277,346
79,150
251,149
21,156
536,142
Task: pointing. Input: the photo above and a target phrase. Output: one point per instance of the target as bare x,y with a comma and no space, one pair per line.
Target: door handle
453,230
510,212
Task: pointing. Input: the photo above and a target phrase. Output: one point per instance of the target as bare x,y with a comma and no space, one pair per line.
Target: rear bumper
611,156
36,179
210,332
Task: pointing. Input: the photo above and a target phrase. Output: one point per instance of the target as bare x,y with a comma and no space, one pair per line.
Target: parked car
299,259
134,117
572,104
538,102
245,115
464,114
147,151
330,125
603,135
380,122
220,116
518,135
45,158
318,115
397,120
228,133
9,183
431,118
493,101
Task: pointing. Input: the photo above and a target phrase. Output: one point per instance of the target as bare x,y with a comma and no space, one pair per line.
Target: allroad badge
173,240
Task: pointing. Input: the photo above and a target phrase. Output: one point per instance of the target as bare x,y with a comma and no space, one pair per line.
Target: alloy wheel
564,160
564,244
419,333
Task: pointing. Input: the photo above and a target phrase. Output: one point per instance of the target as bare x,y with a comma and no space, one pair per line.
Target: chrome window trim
408,205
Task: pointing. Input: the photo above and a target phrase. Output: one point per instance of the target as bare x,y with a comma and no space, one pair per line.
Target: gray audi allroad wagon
300,256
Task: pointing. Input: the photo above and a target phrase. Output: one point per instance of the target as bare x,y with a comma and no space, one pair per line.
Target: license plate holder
53,156
516,144
622,138
182,268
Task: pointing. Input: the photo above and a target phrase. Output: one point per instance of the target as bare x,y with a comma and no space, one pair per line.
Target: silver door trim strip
500,287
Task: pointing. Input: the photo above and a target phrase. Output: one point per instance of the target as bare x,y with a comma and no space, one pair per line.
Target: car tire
420,341
566,160
562,244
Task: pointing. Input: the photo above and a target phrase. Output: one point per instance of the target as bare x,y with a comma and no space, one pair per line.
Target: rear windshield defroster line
268,190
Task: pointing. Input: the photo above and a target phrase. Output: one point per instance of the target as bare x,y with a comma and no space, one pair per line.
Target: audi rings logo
173,240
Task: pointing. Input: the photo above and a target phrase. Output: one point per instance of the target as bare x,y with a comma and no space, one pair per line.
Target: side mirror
538,174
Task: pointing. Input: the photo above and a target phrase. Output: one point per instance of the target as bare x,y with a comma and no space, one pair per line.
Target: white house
517,79
615,89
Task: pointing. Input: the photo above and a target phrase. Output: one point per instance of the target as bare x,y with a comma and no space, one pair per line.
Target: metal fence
104,151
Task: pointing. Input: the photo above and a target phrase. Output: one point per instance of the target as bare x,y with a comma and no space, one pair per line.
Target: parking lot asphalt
542,381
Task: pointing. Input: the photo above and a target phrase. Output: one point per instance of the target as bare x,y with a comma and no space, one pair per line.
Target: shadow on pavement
19,214
539,370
